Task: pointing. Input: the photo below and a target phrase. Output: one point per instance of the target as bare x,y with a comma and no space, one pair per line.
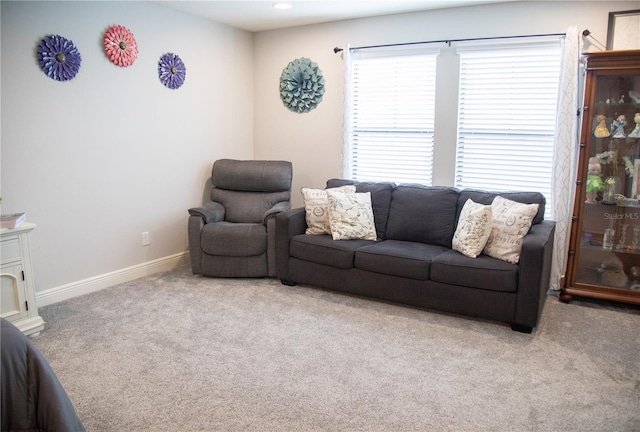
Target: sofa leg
287,282
521,328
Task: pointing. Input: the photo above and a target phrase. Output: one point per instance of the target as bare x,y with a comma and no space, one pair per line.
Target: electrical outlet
145,239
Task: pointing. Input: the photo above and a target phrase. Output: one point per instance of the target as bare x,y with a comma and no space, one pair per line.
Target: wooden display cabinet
604,247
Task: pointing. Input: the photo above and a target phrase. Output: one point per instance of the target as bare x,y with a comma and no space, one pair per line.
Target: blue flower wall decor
171,70
58,57
301,85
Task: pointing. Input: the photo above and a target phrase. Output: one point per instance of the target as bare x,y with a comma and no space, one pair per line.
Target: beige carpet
176,352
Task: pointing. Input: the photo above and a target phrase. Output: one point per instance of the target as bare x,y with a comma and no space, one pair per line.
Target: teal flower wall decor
301,85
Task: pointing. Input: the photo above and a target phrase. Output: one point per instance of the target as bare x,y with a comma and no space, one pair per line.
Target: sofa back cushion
485,197
380,199
425,214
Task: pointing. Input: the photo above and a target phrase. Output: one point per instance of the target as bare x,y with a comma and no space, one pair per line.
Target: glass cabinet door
608,251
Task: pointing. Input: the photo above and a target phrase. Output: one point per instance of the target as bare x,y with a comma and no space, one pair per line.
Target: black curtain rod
449,41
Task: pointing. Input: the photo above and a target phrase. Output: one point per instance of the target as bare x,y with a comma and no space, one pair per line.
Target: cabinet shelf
597,246
625,106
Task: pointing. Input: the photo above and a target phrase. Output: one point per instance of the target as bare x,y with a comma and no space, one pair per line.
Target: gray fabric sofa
412,261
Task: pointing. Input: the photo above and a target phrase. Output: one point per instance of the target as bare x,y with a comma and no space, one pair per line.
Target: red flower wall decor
120,46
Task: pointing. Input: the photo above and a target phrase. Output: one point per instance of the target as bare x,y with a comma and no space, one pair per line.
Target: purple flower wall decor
171,70
59,58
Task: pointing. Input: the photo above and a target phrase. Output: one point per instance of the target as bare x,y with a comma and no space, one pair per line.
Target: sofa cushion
424,214
316,206
234,239
485,197
380,199
398,258
473,230
322,249
482,272
351,216
511,222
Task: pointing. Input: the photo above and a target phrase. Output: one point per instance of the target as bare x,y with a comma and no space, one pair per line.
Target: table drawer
10,250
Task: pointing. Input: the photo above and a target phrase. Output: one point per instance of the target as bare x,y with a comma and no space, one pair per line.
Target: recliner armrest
209,212
273,211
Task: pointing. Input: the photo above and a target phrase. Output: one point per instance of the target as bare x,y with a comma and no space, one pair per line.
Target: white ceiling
260,15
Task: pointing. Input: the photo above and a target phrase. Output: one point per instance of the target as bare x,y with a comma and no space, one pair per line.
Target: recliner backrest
248,188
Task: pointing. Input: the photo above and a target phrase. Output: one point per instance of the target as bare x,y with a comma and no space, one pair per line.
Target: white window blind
391,116
507,115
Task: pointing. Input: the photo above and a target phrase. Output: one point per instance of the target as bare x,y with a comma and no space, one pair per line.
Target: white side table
18,301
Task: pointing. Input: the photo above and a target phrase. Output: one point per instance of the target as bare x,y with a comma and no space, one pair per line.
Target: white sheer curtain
565,152
346,123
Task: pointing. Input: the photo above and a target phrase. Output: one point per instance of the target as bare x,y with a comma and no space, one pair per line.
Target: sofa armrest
269,220
288,224
209,212
535,272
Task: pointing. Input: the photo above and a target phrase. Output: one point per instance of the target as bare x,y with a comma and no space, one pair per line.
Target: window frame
409,131
452,156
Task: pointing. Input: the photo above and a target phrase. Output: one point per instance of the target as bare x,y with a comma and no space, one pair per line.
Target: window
391,114
507,106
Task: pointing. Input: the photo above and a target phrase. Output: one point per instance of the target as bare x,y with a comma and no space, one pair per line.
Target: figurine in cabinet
635,272
617,127
595,183
612,273
601,130
635,133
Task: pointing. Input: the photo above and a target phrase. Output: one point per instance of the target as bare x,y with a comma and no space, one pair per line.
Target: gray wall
98,160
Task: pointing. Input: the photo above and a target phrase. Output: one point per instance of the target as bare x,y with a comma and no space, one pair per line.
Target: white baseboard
106,280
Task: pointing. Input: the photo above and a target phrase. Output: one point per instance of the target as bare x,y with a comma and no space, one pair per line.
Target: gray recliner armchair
234,234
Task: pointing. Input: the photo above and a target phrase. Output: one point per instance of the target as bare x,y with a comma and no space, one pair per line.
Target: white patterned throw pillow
316,208
511,222
351,216
474,229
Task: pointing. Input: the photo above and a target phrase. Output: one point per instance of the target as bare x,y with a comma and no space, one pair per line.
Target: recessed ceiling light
282,5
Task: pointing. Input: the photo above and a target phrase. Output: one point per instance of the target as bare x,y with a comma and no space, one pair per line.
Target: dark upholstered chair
234,234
